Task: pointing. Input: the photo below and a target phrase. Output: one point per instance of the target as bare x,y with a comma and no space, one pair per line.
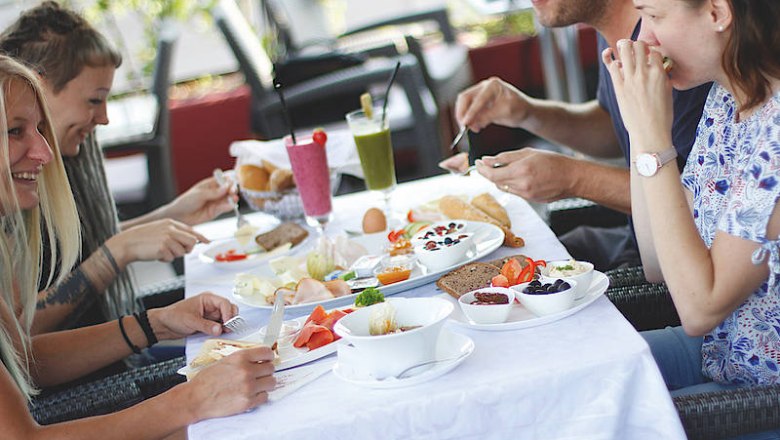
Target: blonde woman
76,66
34,191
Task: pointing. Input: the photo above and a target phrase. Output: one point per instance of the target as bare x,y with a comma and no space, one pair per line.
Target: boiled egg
374,221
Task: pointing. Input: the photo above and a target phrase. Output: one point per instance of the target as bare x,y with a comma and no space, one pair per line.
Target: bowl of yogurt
579,271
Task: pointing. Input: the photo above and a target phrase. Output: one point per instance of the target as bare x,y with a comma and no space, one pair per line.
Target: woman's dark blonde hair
21,248
58,43
752,54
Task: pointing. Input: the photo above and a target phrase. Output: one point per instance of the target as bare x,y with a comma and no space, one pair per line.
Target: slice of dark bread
466,278
288,232
473,276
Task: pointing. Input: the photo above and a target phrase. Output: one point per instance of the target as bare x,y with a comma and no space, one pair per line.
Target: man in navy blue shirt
594,128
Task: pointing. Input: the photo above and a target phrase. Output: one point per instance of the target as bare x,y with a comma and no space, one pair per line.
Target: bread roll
491,207
269,166
457,209
281,180
253,177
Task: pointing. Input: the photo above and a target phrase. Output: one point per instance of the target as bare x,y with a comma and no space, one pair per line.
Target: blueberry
558,282
565,286
535,283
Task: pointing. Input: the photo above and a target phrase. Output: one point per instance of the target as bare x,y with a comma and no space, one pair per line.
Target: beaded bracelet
130,344
143,321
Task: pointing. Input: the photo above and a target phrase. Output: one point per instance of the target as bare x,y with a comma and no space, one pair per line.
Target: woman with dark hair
712,231
77,66
35,202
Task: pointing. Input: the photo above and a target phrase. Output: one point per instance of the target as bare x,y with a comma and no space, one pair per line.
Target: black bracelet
135,349
143,321
111,259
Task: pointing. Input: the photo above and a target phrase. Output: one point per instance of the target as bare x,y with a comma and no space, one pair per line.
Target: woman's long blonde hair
21,249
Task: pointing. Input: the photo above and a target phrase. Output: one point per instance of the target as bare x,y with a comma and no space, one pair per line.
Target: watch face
646,165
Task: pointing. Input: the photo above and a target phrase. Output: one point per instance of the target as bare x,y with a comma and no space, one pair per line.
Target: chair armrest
566,214
438,15
107,395
162,293
626,276
724,414
646,306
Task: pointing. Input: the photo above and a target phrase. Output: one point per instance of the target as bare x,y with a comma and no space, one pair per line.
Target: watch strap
666,156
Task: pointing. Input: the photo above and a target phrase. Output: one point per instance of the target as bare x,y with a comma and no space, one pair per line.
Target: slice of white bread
215,349
457,209
473,276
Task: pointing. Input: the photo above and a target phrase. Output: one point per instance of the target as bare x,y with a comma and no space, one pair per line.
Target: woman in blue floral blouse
722,263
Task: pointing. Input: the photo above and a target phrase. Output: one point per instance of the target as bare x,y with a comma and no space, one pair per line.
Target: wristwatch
647,164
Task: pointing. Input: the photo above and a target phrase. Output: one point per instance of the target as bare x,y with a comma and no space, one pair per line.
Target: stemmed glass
309,162
372,138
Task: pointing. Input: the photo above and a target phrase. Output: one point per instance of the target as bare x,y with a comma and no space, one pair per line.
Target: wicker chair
713,415
106,395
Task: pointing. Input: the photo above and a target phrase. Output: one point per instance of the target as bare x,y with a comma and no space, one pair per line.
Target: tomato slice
499,281
230,255
511,270
393,236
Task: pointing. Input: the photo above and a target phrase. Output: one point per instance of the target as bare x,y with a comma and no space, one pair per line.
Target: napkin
341,150
288,381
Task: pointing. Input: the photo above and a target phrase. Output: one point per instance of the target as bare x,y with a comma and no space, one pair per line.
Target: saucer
449,345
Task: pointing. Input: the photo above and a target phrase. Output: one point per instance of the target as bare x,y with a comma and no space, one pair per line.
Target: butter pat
366,265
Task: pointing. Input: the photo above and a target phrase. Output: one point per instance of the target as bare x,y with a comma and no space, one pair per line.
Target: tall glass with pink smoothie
309,163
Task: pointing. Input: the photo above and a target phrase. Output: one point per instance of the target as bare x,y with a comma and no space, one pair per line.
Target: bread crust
253,177
490,206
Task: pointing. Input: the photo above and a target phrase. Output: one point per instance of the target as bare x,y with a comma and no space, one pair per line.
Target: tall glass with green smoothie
372,138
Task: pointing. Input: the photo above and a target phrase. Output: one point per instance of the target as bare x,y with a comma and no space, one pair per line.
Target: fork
468,170
237,325
219,176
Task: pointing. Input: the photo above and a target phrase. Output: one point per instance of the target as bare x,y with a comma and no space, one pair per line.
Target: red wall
201,132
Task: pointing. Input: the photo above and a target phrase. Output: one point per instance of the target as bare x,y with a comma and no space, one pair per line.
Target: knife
275,323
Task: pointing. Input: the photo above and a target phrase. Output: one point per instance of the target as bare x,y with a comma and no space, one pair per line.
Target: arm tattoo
94,275
72,290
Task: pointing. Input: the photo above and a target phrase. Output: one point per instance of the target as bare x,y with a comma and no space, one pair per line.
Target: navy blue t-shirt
688,107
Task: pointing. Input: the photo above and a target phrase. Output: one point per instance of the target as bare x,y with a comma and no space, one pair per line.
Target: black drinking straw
387,92
285,111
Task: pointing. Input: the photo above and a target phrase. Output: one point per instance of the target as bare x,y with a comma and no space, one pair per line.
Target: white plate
520,317
486,239
208,255
449,345
289,356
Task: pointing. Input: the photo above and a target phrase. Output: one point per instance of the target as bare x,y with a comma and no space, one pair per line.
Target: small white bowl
390,354
438,230
444,252
582,274
487,313
541,304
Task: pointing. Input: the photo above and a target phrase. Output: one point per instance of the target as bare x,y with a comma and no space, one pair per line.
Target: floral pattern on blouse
733,172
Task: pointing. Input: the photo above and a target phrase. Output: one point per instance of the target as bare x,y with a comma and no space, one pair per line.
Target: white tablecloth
588,376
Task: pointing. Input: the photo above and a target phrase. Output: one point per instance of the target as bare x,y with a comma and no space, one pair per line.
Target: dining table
589,375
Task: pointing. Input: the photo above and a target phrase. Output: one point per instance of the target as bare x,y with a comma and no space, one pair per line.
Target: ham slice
310,290
338,288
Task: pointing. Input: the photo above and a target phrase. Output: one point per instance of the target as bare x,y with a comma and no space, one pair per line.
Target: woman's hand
235,384
492,101
536,175
203,202
644,94
204,313
161,240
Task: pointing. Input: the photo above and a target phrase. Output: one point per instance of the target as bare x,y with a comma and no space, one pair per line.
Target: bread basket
284,205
